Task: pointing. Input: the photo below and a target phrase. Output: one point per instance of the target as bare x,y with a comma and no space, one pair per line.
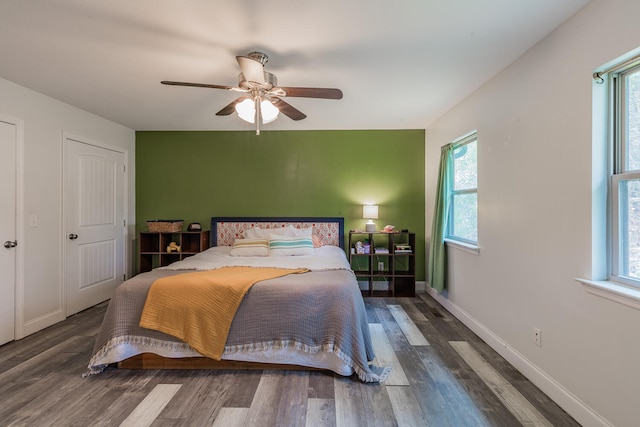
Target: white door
8,145
94,220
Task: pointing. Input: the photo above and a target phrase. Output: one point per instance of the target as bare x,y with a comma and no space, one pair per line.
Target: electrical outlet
537,337
380,266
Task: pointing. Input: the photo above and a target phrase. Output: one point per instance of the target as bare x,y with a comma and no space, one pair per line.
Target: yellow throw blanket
198,308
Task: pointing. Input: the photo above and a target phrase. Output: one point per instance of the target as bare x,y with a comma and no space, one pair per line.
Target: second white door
94,224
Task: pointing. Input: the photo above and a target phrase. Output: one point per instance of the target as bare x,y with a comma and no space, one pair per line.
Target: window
624,184
462,224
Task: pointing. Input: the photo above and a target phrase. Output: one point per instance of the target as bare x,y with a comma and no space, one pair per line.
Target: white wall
534,123
45,119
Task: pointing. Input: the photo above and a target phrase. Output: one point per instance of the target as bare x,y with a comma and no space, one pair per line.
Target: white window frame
618,173
449,237
606,282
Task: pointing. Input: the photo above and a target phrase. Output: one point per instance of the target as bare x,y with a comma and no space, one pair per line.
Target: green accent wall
194,175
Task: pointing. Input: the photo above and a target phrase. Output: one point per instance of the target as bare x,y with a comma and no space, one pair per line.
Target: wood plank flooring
443,375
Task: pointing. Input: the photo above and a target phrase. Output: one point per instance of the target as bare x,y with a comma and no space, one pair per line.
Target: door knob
73,236
10,244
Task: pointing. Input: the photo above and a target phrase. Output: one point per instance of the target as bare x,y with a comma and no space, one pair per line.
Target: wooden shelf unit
153,247
389,273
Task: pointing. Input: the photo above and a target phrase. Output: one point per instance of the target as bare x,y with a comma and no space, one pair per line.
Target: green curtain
438,252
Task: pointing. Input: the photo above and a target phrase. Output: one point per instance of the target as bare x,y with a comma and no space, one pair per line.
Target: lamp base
370,227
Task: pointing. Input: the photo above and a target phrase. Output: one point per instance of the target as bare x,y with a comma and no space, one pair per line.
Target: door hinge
124,222
124,168
124,277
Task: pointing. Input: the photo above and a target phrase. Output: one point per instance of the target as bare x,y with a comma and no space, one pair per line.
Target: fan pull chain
258,114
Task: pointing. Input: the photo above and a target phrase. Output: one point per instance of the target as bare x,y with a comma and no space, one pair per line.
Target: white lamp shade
268,111
247,110
370,211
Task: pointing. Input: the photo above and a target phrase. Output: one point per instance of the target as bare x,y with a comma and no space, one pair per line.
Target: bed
314,319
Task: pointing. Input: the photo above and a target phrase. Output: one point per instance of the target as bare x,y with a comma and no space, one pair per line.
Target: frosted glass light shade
247,110
269,112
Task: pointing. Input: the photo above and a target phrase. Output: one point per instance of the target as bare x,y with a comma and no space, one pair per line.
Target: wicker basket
165,225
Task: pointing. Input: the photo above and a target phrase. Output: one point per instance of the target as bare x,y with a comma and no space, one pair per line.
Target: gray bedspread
319,313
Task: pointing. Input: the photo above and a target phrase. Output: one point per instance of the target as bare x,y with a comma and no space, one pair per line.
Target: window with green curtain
455,216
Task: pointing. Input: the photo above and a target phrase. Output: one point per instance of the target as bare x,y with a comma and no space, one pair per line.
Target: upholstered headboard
225,230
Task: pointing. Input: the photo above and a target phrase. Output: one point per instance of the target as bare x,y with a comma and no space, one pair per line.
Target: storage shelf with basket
156,249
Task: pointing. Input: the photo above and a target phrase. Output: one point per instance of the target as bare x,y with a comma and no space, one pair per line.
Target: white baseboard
575,407
42,322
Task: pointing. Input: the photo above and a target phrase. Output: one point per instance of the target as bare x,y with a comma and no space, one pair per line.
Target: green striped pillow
250,247
290,246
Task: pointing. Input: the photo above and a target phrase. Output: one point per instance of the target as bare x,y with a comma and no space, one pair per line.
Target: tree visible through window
625,177
463,210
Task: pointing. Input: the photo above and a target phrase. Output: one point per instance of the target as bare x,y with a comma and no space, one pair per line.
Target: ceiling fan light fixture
247,111
261,102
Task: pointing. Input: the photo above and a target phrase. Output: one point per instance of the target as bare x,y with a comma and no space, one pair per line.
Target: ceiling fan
261,100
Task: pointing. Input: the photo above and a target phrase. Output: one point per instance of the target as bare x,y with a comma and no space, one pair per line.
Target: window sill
465,247
613,291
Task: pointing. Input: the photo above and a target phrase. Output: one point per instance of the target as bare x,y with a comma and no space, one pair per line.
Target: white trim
63,228
575,407
42,322
612,291
20,234
465,139
465,247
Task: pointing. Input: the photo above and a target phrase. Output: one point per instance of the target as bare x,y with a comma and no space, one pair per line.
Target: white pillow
255,233
308,232
290,246
300,232
250,247
264,233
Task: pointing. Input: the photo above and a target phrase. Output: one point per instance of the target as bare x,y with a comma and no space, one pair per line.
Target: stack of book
403,249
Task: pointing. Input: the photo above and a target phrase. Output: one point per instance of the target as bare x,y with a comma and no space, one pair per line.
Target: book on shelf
382,250
403,249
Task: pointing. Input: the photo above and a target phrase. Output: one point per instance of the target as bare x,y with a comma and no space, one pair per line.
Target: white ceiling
401,64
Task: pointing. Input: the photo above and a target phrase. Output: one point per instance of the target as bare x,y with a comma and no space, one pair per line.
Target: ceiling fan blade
252,70
308,92
231,108
287,109
166,82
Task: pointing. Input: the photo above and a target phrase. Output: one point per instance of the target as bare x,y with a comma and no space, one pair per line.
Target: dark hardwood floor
443,375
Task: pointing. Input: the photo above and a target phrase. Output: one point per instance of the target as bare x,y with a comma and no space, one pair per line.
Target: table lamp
370,212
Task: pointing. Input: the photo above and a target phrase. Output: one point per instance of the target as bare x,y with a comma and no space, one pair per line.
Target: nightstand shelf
389,267
153,247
